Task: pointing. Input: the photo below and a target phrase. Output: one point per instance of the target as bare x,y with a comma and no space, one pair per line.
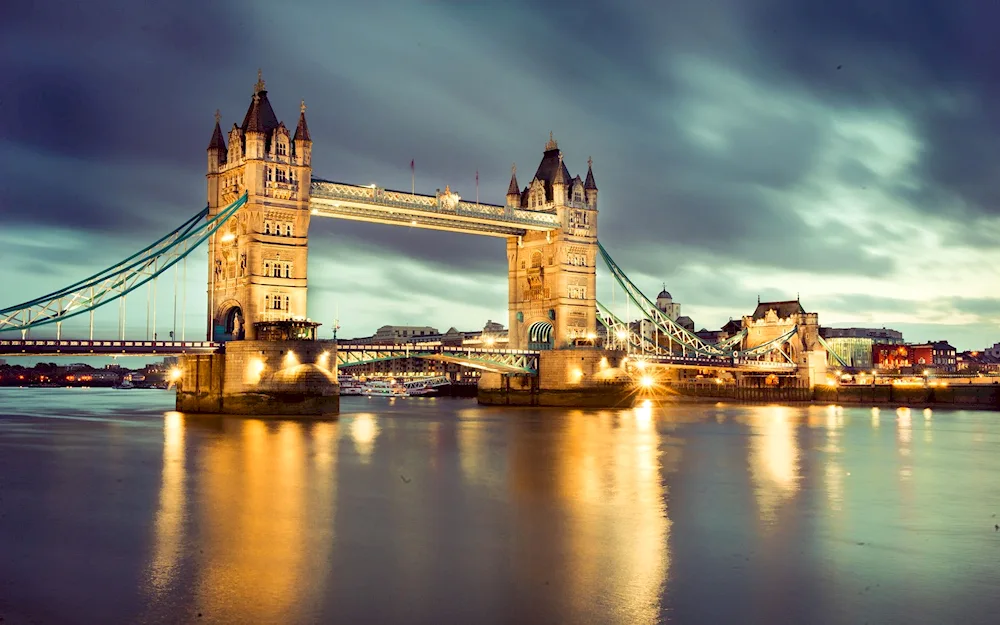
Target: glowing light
290,359
604,363
254,370
315,211
413,222
927,372
621,334
640,364
323,360
175,374
489,341
646,381
592,336
226,238
576,375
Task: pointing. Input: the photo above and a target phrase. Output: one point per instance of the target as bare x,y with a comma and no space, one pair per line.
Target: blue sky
845,152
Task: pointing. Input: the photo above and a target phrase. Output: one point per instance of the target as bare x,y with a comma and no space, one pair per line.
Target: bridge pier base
571,378
262,378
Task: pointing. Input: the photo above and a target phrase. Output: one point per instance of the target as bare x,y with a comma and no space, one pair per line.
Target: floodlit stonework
552,275
258,259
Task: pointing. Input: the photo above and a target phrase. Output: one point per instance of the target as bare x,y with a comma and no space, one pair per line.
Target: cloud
734,158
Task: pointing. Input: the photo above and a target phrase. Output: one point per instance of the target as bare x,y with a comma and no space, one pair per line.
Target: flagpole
413,178
477,187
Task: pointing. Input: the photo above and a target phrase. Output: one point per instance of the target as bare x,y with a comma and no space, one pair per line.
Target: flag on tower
412,178
477,186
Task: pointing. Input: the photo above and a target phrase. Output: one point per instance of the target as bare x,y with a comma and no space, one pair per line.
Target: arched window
277,270
536,260
267,227
267,302
287,307
288,230
270,174
282,148
267,268
288,270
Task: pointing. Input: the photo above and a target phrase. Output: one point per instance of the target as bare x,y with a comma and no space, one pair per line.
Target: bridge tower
257,261
552,275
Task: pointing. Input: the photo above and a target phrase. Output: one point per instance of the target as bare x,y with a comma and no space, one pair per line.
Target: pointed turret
513,191
302,130
590,185
559,180
301,141
216,147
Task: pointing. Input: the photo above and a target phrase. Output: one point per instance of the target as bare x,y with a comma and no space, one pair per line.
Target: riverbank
972,396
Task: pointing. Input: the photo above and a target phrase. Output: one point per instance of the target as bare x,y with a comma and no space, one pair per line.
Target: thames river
113,509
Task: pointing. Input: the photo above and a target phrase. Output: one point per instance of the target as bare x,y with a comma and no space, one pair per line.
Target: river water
115,510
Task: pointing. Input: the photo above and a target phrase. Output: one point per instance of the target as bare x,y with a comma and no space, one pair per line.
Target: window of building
288,230
270,174
288,270
267,227
282,175
267,302
536,260
287,307
267,268
282,148
277,270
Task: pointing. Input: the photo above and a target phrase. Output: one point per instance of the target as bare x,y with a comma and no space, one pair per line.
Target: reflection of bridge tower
552,275
257,262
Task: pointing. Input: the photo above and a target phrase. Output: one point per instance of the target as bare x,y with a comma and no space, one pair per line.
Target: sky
844,153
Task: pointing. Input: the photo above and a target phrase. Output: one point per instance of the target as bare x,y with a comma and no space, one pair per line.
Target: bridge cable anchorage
675,333
830,351
120,279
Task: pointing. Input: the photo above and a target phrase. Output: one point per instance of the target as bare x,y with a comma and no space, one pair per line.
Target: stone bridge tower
257,260
552,275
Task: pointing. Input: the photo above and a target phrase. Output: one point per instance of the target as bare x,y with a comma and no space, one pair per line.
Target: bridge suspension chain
117,281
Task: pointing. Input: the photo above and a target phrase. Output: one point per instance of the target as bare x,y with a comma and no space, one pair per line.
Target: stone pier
578,378
280,378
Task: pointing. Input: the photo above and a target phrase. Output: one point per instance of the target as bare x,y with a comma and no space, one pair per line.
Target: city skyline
780,165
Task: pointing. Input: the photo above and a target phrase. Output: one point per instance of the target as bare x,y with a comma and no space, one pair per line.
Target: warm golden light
646,381
592,336
576,375
364,431
175,374
621,334
323,361
290,359
254,370
489,341
226,238
640,364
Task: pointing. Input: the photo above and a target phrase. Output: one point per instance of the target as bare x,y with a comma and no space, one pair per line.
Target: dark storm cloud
712,125
935,60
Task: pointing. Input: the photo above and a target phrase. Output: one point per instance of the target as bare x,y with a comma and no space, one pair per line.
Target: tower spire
218,142
551,144
302,130
513,188
590,183
257,88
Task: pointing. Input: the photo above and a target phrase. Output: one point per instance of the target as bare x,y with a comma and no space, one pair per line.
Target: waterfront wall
956,396
262,378
579,378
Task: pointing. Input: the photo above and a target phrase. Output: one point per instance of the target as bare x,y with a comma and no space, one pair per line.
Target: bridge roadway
98,347
445,212
488,359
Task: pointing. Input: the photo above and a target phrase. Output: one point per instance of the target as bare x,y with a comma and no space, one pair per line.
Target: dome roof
664,294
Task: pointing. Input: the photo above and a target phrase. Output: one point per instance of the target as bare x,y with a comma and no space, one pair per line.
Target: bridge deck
373,204
68,347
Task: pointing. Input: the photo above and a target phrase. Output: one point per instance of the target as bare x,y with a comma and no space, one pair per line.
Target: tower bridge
262,195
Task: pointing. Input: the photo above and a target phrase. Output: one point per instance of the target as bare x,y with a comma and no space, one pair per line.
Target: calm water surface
115,510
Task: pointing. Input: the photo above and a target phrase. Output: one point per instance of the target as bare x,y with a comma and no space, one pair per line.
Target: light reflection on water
450,512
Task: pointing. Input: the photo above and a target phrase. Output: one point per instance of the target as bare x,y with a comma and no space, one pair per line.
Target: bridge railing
397,199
